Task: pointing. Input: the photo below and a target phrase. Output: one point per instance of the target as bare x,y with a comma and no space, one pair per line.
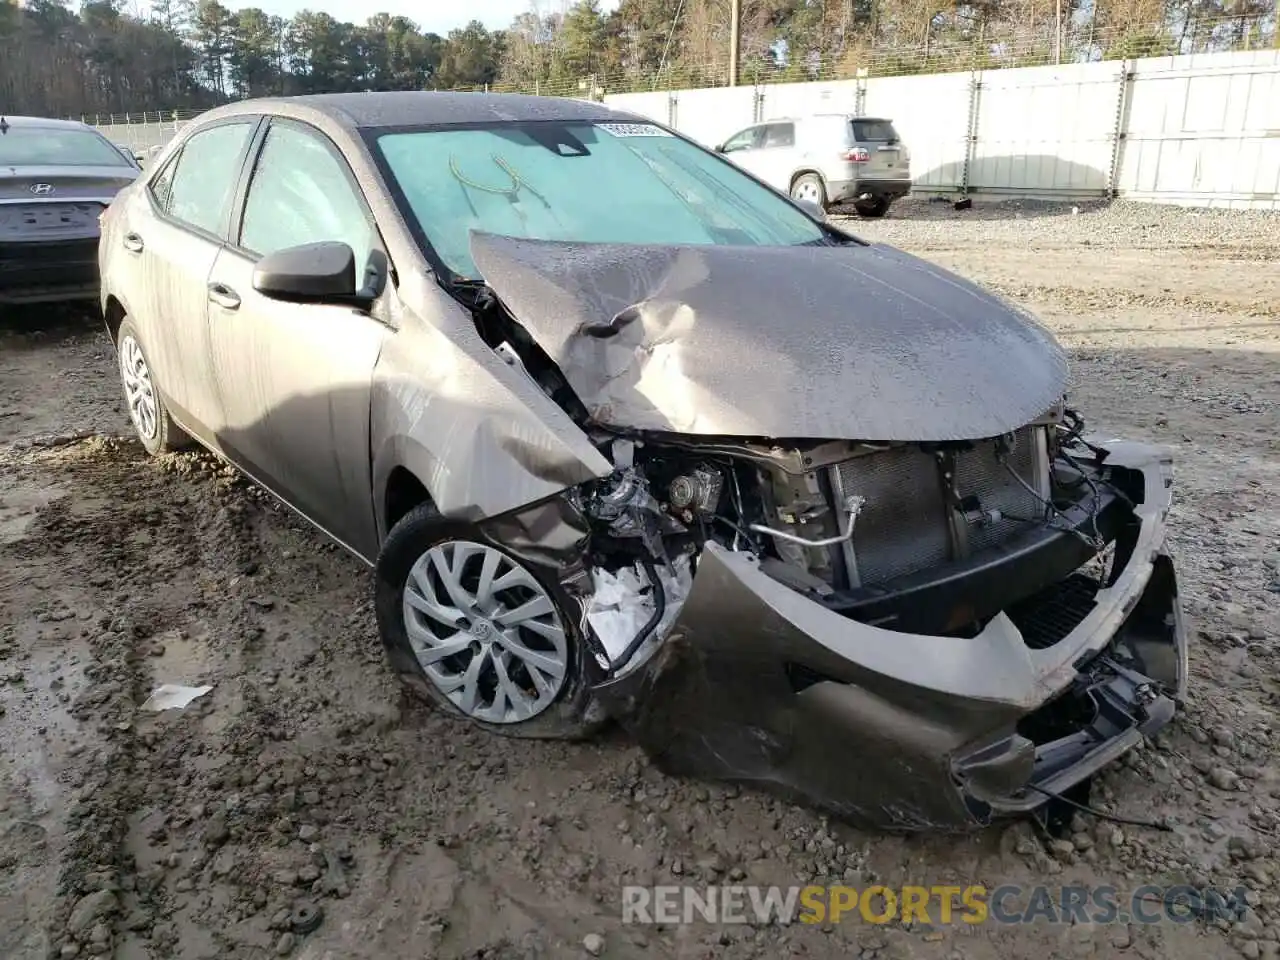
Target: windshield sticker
632,129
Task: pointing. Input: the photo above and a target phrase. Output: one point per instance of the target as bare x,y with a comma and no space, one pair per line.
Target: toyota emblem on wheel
42,189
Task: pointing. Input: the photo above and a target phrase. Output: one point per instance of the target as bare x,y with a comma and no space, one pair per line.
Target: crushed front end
910,635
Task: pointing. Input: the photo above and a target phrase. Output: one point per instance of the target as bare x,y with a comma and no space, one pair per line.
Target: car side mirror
318,273
719,148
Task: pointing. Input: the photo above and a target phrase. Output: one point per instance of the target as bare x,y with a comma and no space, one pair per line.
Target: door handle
224,296
132,242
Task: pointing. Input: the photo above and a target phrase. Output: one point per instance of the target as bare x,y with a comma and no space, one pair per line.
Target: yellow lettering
890,905
946,899
843,899
975,900
915,905
815,910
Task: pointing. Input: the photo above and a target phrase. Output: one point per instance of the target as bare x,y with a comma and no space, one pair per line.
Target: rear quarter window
880,131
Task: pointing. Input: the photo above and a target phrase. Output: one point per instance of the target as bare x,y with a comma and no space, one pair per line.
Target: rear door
294,379
887,158
170,237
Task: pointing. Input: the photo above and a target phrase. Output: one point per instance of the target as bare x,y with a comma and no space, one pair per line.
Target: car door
294,379
743,148
776,158
173,232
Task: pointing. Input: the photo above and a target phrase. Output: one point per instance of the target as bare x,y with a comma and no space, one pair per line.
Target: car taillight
856,155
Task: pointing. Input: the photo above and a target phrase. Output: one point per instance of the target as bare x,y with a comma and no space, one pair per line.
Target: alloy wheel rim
139,391
806,190
485,632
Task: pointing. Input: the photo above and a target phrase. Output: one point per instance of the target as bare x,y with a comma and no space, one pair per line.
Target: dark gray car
797,510
56,178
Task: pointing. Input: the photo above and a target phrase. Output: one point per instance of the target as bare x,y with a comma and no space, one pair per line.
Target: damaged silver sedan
626,434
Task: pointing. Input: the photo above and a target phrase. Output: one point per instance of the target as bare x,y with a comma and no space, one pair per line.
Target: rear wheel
478,633
875,207
809,186
147,412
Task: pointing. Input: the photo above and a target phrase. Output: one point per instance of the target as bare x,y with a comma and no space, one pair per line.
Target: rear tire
874,208
150,417
428,563
809,186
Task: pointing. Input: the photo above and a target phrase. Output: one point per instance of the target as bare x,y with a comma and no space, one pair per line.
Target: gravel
305,807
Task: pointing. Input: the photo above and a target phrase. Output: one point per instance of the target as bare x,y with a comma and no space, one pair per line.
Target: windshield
57,146
585,182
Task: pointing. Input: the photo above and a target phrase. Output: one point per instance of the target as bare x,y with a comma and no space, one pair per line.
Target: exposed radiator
907,523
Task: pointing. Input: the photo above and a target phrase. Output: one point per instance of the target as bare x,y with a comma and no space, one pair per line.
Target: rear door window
203,184
779,135
874,131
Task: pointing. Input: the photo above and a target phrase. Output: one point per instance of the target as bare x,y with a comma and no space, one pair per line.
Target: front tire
480,634
147,412
809,186
874,208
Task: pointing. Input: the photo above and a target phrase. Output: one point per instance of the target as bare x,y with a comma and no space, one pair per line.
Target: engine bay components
697,491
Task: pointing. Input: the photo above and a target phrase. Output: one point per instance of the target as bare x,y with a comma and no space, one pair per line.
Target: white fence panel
1204,131
710,116
1046,131
931,114
140,136
798,99
656,106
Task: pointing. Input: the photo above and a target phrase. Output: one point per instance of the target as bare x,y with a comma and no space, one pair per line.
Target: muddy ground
305,788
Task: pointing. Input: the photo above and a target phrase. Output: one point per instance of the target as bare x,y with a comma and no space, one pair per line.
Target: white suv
827,159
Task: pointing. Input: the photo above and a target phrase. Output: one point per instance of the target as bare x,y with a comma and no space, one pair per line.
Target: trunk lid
61,184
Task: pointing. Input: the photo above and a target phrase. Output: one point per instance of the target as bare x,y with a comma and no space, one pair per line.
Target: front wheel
147,412
479,633
875,207
809,187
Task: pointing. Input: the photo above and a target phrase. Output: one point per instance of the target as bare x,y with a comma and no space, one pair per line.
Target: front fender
480,436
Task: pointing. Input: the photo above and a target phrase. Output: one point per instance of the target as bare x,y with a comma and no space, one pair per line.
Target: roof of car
423,107
41,122
826,116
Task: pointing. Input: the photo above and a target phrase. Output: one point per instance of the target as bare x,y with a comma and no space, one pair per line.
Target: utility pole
1057,35
735,39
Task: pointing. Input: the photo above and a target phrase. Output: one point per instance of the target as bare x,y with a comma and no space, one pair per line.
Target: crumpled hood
862,343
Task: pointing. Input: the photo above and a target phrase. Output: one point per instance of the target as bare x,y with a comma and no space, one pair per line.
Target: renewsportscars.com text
939,904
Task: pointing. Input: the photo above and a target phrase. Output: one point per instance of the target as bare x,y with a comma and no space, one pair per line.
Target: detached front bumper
757,684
